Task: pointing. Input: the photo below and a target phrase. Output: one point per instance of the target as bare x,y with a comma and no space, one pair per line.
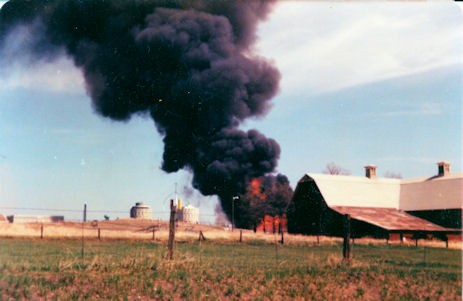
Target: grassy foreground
127,270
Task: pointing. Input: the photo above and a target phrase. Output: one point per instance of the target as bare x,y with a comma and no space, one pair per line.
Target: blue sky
362,83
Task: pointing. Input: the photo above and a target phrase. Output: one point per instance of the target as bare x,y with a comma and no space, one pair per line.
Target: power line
69,210
40,209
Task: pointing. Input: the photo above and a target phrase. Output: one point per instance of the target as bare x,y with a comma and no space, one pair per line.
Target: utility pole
347,234
84,219
233,211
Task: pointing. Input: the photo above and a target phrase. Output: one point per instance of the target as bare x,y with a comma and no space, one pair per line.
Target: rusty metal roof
390,219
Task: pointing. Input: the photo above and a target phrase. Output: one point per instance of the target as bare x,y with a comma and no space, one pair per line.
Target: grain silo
190,214
141,211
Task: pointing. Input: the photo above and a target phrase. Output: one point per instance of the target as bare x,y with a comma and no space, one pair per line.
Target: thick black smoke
189,64
266,195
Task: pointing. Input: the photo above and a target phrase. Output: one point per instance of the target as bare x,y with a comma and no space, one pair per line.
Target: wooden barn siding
310,215
305,209
448,218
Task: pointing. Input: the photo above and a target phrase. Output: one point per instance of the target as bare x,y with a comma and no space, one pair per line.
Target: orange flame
255,188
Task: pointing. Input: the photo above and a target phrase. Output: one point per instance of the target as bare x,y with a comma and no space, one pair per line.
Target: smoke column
188,64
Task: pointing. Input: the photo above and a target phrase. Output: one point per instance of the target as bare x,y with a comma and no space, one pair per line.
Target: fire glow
256,189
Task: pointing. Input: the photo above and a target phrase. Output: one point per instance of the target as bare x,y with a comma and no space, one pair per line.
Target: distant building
273,224
35,218
378,206
141,211
187,214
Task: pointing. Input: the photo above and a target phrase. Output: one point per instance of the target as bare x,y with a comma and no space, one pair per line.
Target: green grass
127,270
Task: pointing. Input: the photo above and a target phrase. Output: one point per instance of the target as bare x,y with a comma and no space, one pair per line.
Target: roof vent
443,168
370,171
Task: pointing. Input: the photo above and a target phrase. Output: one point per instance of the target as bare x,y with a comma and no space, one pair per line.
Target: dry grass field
126,263
143,230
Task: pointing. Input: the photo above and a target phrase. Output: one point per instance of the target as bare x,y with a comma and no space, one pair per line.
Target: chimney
370,171
443,168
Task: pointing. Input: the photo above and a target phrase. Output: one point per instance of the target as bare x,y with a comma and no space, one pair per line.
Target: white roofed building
378,206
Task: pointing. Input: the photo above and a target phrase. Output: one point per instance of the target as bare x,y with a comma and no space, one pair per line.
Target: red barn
378,207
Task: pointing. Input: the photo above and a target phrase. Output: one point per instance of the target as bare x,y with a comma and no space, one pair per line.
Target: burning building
266,198
273,224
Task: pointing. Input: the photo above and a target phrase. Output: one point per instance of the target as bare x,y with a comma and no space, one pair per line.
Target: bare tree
334,169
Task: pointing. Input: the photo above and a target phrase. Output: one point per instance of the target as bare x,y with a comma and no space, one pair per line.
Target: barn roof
390,219
443,192
338,190
432,193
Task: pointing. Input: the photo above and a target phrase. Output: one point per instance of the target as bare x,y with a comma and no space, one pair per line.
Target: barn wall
309,214
333,225
306,209
363,229
448,218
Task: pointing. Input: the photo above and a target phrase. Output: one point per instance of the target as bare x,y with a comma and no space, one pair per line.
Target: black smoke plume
188,64
266,195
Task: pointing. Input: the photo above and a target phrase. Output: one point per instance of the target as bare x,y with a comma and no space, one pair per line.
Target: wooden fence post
201,236
346,243
99,234
154,234
41,231
173,209
241,235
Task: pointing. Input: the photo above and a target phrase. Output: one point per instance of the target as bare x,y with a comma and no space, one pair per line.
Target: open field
158,231
221,269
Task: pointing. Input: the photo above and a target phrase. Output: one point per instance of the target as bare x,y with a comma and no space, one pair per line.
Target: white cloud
59,75
21,69
322,46
318,46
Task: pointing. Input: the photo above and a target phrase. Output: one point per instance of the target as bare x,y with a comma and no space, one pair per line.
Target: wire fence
76,215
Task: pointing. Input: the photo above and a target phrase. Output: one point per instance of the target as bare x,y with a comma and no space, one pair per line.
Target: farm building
378,207
188,214
141,211
273,224
3,218
35,218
